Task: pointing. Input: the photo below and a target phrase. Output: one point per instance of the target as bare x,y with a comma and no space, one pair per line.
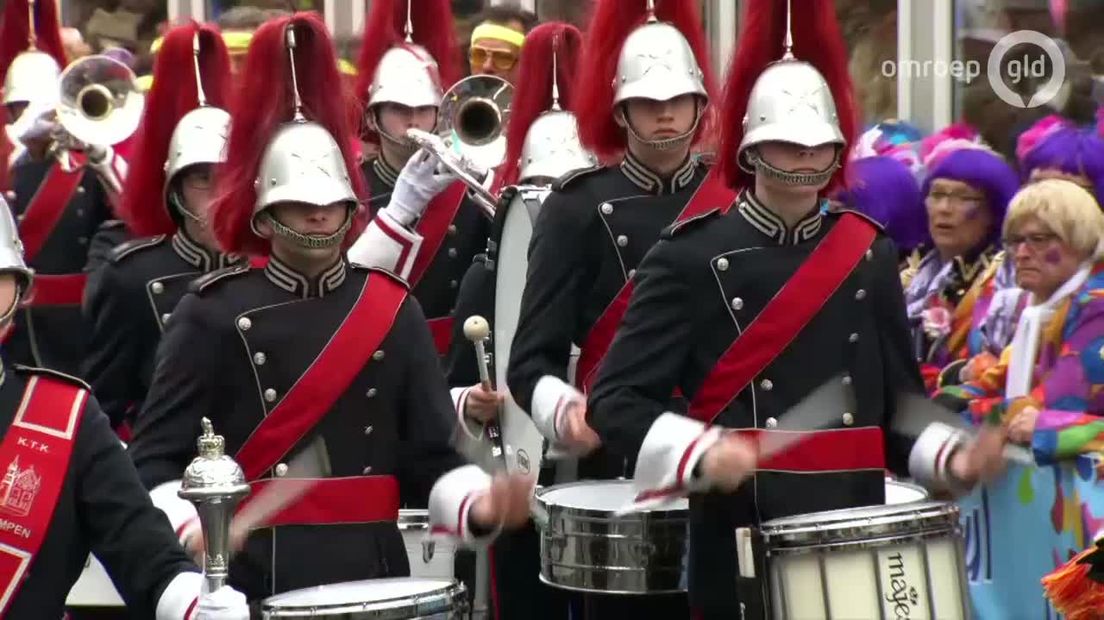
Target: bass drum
522,441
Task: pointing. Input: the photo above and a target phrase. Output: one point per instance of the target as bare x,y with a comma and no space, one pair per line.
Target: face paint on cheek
973,211
1052,257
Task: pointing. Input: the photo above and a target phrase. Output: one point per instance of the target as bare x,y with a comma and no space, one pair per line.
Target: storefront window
1001,104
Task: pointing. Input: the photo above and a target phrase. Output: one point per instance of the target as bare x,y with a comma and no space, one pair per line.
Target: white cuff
671,451
450,503
181,513
386,244
180,596
471,428
550,398
931,454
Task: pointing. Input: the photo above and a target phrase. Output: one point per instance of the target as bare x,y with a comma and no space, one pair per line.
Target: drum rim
413,519
545,579
609,515
842,526
451,590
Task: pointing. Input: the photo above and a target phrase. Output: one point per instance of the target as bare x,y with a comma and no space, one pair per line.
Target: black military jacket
466,237
235,347
591,234
53,336
125,310
102,508
694,293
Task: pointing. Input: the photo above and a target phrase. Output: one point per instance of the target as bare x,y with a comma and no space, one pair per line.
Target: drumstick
915,412
303,472
478,330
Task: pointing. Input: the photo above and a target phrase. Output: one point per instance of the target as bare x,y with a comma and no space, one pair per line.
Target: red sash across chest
35,455
39,220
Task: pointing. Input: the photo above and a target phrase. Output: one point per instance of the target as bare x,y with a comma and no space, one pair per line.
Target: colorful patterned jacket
1067,383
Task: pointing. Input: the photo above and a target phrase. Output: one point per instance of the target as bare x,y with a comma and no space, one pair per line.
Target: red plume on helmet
173,95
612,22
816,40
265,101
385,28
15,32
533,96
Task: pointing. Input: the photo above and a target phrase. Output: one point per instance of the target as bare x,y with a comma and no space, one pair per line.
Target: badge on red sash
35,456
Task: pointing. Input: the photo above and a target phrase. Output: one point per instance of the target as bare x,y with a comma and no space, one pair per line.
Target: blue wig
986,172
1074,151
885,189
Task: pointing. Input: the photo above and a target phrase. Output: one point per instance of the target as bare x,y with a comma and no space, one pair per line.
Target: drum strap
331,374
785,315
35,453
433,227
712,193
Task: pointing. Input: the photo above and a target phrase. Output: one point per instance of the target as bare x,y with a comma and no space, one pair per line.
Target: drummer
311,367
750,310
425,228
542,145
69,489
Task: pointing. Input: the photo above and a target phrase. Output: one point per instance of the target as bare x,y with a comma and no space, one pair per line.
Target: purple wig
884,188
1073,151
986,172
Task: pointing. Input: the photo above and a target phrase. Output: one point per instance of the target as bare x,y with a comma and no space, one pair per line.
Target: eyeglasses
501,60
955,198
1036,242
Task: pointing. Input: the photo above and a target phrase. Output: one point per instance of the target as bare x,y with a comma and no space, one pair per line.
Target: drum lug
644,550
428,547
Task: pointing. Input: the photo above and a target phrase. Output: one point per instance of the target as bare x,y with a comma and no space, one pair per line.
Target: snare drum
585,547
896,561
375,599
904,493
428,557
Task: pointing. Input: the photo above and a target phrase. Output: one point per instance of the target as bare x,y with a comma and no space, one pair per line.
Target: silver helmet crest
32,78
406,75
552,147
303,163
657,62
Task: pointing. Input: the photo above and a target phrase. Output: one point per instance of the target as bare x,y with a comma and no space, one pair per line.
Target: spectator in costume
949,292
497,41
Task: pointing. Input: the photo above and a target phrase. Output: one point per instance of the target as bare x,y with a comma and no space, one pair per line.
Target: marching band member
168,192
59,208
311,354
422,218
949,292
69,489
542,145
748,310
599,222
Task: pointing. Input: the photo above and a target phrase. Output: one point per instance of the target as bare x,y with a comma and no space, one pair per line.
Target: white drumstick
303,472
477,330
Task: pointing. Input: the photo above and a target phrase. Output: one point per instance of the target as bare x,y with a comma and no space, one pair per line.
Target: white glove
226,603
418,183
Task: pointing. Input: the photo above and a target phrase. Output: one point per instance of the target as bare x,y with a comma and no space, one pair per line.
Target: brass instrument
473,118
99,105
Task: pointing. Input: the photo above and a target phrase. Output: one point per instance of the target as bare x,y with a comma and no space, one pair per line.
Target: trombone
474,114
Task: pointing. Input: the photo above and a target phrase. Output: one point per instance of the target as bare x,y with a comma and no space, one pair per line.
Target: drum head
903,493
403,597
861,524
605,496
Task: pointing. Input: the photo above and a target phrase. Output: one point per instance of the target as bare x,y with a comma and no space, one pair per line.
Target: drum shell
429,557
592,550
877,562
446,603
